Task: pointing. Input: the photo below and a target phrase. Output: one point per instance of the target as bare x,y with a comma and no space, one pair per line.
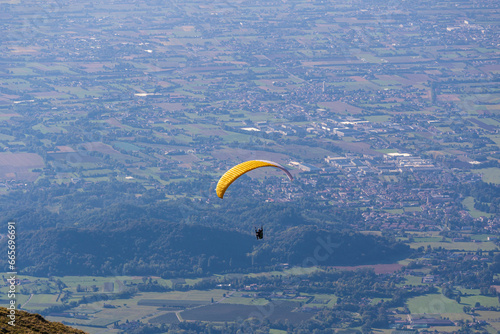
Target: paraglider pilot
259,233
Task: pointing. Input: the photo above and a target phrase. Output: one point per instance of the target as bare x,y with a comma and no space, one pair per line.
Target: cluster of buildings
418,321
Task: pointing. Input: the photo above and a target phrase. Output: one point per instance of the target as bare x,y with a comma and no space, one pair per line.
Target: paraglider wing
231,175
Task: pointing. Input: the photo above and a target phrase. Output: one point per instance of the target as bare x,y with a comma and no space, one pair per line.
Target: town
127,113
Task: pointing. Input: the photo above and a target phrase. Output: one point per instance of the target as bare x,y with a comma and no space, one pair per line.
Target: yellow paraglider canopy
231,175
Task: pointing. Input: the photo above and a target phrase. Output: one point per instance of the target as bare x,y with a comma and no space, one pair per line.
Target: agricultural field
224,303
116,114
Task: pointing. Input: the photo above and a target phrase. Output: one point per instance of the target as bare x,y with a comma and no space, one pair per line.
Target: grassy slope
28,323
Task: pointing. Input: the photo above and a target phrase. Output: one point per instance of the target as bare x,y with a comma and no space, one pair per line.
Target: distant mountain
32,323
180,249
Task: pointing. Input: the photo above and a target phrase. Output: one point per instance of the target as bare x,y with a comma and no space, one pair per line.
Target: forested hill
139,248
154,247
311,245
32,323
